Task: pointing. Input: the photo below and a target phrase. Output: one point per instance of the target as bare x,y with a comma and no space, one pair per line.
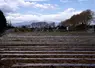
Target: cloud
45,6
8,6
17,17
13,5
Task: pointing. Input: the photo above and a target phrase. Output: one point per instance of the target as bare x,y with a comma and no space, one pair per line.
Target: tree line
79,21
76,22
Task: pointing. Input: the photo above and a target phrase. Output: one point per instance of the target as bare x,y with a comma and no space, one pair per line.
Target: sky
18,11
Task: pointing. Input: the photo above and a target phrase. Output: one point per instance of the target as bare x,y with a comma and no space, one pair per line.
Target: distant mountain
23,23
20,24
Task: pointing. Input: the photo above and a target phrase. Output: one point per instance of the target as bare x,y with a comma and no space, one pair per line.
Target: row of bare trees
76,22
79,21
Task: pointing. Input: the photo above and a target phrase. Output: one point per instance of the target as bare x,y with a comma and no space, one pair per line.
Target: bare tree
79,20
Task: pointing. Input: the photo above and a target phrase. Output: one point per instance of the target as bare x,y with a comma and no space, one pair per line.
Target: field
47,50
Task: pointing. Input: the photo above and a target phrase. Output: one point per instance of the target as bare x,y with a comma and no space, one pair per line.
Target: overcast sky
43,10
